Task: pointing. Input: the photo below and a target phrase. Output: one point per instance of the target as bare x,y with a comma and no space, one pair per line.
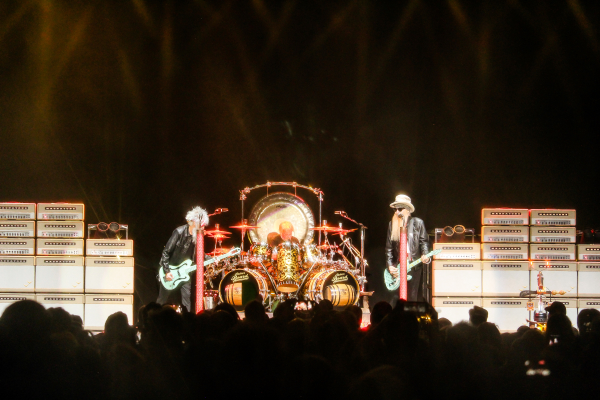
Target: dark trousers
415,287
186,295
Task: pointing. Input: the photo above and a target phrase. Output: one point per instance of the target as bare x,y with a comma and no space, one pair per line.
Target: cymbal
218,236
217,232
326,229
244,226
344,231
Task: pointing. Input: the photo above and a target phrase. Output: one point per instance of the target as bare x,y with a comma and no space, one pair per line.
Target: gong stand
318,192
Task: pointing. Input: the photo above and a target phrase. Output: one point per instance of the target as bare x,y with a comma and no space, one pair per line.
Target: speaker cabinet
71,303
456,309
109,274
98,307
507,314
457,278
59,274
571,306
504,278
6,299
558,275
588,279
17,274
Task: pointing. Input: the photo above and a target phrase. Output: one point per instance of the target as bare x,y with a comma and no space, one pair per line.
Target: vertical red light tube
200,271
403,295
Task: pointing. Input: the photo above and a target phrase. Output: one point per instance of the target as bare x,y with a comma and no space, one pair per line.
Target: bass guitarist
181,247
417,247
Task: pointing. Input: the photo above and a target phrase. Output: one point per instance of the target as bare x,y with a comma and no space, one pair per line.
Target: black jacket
179,248
416,238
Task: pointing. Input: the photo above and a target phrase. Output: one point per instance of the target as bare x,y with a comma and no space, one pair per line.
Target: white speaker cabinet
558,275
507,314
6,299
109,274
570,304
582,304
504,278
457,278
59,274
17,274
588,279
71,303
456,309
98,307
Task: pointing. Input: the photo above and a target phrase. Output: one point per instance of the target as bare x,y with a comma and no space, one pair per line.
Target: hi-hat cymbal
218,252
244,226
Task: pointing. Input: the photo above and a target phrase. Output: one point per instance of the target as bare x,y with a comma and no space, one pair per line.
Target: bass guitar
394,283
181,272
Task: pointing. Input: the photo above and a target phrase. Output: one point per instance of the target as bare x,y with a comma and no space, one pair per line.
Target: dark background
143,109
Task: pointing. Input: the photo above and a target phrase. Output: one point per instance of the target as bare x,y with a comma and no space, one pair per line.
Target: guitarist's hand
168,276
425,259
393,271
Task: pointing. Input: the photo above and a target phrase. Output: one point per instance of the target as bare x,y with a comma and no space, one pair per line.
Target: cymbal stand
363,262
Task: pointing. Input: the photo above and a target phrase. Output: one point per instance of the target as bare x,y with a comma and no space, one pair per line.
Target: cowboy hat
403,201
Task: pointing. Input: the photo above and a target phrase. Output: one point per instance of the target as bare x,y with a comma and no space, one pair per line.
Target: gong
275,208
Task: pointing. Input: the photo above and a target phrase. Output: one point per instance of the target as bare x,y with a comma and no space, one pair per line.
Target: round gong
273,209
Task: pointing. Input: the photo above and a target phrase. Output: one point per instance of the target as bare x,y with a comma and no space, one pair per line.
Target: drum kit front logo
240,276
339,277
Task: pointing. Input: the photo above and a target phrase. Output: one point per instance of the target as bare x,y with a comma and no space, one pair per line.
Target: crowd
313,354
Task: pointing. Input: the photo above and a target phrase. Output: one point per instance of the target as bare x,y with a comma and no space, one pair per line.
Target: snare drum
288,267
339,287
241,286
260,251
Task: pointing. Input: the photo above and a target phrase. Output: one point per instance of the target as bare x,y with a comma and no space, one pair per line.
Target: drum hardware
318,192
243,227
268,274
306,275
363,262
216,231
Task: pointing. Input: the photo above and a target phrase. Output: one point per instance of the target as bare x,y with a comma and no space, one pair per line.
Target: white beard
194,234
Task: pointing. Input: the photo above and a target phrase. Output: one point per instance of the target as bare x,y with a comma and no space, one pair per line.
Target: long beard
194,234
396,226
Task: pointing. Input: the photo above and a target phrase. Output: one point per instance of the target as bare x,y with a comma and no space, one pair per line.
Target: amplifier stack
515,245
456,279
43,258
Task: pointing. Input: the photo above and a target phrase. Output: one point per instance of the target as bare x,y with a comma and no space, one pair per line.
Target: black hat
556,307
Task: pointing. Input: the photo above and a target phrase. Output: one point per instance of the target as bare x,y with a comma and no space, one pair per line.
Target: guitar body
181,273
394,283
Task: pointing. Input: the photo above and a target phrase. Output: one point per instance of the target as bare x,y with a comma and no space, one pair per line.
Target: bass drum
241,286
339,287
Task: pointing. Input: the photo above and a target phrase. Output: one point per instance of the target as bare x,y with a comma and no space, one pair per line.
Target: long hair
200,217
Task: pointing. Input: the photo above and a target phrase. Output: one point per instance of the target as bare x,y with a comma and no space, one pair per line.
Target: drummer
286,233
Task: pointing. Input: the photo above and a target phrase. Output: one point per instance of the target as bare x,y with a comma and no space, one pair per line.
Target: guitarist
181,247
417,246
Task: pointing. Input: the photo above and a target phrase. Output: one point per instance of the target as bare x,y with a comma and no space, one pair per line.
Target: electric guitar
394,283
181,272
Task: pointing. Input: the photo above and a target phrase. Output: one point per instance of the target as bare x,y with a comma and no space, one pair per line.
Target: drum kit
300,268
